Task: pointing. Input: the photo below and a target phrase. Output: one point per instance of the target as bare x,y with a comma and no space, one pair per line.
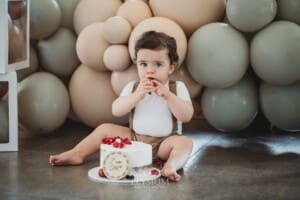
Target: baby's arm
183,110
123,104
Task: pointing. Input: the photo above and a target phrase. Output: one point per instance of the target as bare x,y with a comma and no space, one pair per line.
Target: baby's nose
150,68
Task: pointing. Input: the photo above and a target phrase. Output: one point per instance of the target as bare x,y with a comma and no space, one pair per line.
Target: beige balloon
45,18
134,11
116,30
189,14
43,102
92,96
91,11
250,16
183,75
289,10
57,53
90,46
120,78
160,24
67,9
116,57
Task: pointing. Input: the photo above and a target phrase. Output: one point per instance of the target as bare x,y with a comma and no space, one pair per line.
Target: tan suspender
172,87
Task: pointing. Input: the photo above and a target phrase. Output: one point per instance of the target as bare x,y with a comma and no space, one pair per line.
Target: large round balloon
134,11
189,14
67,9
233,108
57,53
183,75
43,102
250,16
90,11
120,78
92,96
4,126
275,53
116,57
217,55
116,30
45,18
160,24
281,105
91,46
289,10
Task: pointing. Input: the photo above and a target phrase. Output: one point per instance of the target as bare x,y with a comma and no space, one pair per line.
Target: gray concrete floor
253,164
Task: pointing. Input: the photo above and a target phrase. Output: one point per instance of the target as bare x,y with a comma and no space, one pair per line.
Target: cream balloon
92,96
116,30
189,14
217,55
120,78
134,11
91,45
116,57
90,11
43,102
250,16
275,53
160,24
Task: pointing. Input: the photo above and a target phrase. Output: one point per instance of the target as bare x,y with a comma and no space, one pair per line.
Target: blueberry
129,177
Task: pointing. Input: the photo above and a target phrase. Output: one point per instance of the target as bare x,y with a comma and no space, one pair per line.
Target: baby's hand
161,89
145,86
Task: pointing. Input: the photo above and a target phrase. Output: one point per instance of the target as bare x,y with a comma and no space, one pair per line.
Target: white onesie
152,115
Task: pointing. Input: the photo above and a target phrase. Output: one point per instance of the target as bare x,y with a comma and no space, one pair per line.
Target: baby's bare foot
70,157
170,172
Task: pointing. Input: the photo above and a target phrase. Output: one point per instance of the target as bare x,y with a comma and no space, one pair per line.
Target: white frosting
139,154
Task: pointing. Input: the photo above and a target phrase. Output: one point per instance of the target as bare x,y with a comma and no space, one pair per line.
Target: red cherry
116,144
121,145
101,173
154,172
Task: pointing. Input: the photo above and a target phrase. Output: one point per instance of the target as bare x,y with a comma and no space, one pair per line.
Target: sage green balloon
43,102
231,109
281,105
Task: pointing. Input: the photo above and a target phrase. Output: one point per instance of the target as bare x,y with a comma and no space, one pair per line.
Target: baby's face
154,64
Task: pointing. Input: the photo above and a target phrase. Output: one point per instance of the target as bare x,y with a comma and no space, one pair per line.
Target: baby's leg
89,145
176,151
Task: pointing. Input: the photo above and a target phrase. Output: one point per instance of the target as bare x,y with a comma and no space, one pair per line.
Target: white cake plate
140,175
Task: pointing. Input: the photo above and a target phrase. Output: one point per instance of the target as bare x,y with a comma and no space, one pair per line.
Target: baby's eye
158,64
143,64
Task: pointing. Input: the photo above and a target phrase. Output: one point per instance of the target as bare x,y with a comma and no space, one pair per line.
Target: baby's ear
172,68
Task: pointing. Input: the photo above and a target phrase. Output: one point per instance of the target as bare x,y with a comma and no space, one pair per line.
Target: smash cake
123,160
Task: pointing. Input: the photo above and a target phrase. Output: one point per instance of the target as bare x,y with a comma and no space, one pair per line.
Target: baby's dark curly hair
156,41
